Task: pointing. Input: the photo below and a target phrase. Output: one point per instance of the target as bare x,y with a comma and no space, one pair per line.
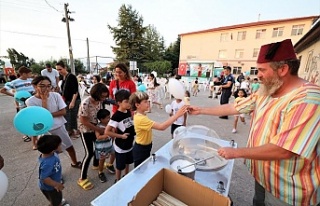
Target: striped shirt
290,122
20,85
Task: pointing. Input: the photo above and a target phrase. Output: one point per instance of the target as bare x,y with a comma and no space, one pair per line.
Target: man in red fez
283,149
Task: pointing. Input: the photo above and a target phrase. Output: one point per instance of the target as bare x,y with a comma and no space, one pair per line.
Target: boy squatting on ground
103,144
143,126
121,122
50,169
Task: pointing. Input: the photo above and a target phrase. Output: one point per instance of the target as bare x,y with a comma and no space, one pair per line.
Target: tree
128,35
18,59
153,45
161,67
172,53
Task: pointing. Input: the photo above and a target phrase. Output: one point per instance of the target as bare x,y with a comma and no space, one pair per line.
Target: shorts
54,197
103,148
64,136
141,153
241,115
174,127
123,159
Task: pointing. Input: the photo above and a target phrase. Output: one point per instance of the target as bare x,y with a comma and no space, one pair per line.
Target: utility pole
88,56
67,18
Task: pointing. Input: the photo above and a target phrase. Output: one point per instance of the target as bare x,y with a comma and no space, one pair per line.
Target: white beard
270,86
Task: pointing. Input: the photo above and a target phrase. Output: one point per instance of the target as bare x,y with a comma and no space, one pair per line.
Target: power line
48,36
52,6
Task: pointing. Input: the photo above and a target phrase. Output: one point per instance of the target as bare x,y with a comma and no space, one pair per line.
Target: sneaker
102,177
111,169
234,131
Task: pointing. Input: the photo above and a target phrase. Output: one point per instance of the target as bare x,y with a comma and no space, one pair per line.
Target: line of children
143,126
121,128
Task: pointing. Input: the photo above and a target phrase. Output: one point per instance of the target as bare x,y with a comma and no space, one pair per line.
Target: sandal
77,165
34,148
85,184
26,138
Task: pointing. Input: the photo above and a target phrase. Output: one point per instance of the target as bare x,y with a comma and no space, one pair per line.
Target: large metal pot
179,161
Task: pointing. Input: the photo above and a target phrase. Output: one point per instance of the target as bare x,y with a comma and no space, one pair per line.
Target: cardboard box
180,187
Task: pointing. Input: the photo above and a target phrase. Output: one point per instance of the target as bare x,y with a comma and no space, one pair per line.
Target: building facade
238,46
308,51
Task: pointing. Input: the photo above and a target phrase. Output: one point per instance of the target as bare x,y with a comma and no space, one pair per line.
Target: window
277,32
224,37
236,70
239,53
241,35
253,71
255,52
309,60
261,33
297,30
222,54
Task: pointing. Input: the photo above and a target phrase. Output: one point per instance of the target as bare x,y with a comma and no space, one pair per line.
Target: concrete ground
21,165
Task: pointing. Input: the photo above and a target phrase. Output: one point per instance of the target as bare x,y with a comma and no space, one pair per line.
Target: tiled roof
258,23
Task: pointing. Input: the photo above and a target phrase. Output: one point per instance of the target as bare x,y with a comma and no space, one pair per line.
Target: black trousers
224,99
88,140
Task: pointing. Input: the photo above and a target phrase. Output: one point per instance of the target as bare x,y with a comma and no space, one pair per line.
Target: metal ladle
180,168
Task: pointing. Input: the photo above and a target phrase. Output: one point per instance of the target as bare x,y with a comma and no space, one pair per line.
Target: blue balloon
33,121
22,96
142,88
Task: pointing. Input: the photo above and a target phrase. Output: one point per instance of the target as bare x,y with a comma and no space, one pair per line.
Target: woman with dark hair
54,103
154,97
70,94
88,126
122,81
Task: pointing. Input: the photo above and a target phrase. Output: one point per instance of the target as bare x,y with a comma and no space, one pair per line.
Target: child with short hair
103,144
181,121
239,95
195,87
50,169
121,128
143,126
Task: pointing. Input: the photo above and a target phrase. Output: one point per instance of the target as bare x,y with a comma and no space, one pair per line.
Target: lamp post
66,19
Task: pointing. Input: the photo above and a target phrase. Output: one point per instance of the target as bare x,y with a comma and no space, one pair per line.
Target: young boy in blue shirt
50,169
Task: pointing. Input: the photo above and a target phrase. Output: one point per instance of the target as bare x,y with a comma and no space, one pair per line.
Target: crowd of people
103,133
282,152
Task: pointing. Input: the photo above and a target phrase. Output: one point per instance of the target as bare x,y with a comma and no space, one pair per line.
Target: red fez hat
276,52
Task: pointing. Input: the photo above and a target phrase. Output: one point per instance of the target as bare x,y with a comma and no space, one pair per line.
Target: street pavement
21,164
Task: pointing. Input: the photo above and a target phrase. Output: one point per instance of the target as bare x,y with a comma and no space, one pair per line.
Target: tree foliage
153,45
172,53
18,59
128,35
161,67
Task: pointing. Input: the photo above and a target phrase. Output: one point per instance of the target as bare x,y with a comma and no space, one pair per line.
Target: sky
34,27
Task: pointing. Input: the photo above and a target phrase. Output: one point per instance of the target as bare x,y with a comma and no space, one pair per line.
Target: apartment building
308,51
238,45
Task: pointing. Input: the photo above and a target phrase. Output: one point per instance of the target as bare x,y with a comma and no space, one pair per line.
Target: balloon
33,121
176,88
4,184
168,108
22,96
142,88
